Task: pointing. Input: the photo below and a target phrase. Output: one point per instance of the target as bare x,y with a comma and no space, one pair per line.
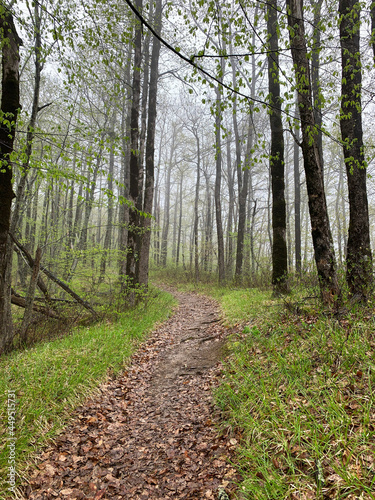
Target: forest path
151,432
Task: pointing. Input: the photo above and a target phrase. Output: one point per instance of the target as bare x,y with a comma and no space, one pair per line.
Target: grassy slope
52,379
299,395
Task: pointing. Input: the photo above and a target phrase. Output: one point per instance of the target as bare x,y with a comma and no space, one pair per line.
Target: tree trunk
315,77
297,201
372,15
242,197
279,247
150,152
321,233
29,302
340,235
196,211
179,221
165,231
32,122
89,201
108,232
359,258
229,239
218,211
123,213
10,104
135,161
208,226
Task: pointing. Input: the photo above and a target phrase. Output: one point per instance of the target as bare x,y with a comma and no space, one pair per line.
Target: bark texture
321,233
359,258
135,163
297,202
10,104
279,247
150,152
218,210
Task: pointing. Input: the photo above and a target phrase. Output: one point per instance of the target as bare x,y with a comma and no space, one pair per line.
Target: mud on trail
150,434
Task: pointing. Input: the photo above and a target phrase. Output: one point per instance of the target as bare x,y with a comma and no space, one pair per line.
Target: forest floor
153,432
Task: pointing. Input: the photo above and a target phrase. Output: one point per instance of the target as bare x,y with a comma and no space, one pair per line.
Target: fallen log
19,301
40,283
53,278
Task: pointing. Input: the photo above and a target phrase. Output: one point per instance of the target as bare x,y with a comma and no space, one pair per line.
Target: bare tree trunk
321,232
196,212
359,257
32,122
279,248
297,200
218,210
372,15
157,201
157,228
251,218
179,221
10,104
89,201
123,214
343,210
167,194
340,235
145,96
150,152
315,77
243,179
269,209
34,216
229,239
242,197
29,302
174,235
135,161
110,210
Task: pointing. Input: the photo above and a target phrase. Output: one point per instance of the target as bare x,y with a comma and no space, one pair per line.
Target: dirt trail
151,433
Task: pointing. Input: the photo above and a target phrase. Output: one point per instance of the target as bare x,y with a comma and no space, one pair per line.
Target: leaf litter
152,433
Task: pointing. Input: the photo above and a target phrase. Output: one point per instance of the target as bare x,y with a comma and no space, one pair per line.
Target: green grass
238,304
298,393
52,379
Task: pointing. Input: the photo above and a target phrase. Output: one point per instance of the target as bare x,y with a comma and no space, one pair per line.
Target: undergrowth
53,378
298,394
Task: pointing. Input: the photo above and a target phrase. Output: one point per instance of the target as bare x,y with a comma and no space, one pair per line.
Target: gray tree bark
279,247
321,233
150,152
359,257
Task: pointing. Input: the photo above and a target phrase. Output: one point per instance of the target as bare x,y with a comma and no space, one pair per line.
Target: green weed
298,394
53,378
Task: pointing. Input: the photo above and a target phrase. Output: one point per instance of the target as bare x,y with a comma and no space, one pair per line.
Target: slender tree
277,167
150,152
135,163
315,75
297,200
218,209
